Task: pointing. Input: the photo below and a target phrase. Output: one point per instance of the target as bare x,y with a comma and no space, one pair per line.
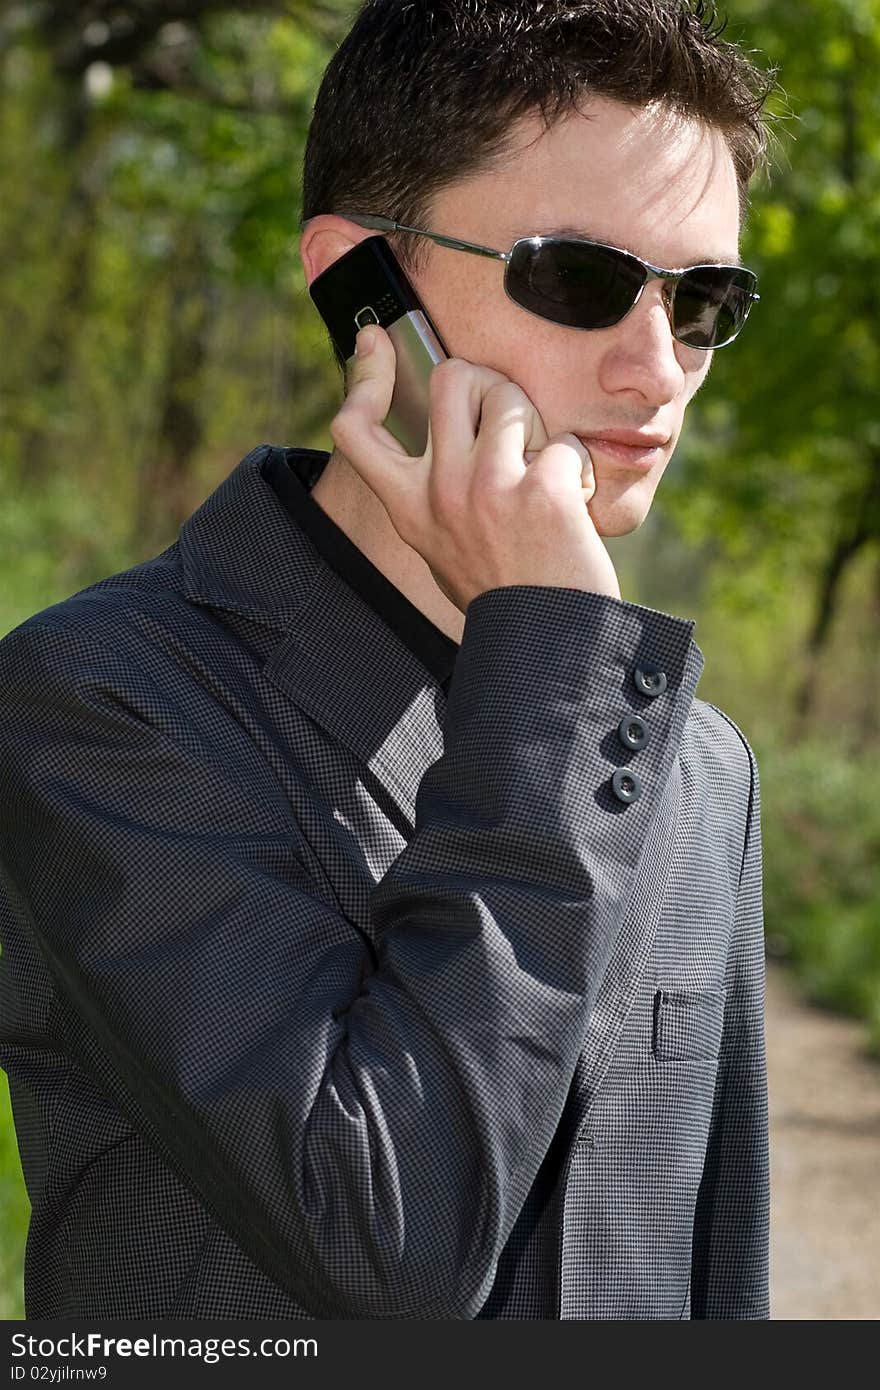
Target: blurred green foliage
15,1212
821,899
155,327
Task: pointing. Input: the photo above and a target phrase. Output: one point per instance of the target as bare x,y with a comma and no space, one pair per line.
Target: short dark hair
421,93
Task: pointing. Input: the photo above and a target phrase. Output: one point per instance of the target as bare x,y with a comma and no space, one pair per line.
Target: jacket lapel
334,656
355,677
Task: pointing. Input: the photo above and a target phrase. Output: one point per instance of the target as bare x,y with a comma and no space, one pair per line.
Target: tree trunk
76,219
864,529
167,479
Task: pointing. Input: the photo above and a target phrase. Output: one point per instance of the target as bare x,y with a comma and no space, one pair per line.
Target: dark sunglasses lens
574,283
712,303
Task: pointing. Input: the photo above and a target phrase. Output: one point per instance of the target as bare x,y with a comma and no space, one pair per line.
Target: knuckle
501,389
539,481
453,366
487,493
404,523
446,501
450,369
490,377
347,423
574,443
340,428
447,376
503,395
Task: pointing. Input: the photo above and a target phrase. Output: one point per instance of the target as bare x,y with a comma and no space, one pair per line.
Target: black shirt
292,473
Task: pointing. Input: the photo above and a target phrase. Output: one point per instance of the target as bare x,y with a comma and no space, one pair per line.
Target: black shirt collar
292,473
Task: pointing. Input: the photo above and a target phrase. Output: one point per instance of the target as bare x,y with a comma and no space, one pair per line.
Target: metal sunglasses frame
655,272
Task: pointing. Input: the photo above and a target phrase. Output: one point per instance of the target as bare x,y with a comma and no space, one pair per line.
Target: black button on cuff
633,732
626,785
650,680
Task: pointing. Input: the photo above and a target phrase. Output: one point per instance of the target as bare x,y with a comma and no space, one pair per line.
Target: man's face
641,179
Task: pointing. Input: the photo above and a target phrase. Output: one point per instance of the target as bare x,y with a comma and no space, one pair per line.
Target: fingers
484,436
509,415
458,406
460,419
564,456
454,412
511,432
357,429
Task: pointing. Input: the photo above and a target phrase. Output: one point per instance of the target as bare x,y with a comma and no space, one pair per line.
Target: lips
636,451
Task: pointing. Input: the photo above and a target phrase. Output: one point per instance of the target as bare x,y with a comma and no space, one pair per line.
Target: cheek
695,366
555,368
503,338
479,323
469,307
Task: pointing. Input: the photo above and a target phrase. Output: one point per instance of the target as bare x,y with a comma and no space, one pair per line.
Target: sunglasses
585,284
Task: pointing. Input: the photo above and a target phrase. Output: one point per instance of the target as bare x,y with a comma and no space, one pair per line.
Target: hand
492,501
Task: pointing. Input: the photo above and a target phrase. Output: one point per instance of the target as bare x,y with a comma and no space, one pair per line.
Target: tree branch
865,529
107,31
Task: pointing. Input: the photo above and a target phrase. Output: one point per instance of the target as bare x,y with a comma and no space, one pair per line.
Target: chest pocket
688,1025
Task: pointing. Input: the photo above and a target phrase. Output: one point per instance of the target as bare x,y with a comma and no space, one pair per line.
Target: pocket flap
688,1024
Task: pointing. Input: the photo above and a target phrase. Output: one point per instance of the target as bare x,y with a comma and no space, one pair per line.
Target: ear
325,239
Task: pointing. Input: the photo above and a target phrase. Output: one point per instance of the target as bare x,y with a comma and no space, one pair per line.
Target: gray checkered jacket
323,996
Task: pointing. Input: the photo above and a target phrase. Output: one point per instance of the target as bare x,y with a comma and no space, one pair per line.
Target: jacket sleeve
365,1121
730,1265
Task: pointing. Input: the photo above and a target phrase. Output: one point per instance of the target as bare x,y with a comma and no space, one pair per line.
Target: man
382,910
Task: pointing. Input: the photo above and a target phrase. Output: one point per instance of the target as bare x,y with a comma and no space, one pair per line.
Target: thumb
372,372
369,392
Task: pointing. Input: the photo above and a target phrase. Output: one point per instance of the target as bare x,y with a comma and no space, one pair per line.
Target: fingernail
364,343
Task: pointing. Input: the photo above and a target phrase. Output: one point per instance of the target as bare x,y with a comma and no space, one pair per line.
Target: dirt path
825,1161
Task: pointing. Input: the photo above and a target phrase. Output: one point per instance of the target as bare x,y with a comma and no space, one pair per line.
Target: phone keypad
383,310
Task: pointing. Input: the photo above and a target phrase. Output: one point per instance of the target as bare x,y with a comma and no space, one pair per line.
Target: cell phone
368,285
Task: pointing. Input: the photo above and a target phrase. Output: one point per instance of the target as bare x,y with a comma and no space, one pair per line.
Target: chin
618,511
619,518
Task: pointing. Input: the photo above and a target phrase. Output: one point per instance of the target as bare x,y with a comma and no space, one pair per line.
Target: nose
642,357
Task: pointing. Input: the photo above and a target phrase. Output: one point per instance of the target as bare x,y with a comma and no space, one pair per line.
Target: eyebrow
586,234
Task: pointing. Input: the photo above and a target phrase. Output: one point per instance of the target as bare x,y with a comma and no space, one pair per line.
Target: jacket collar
334,657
